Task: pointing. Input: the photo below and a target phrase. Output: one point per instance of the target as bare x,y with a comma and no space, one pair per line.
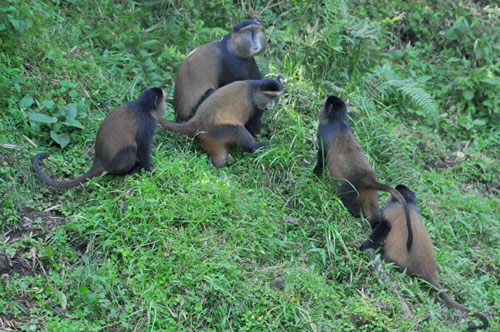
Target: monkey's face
160,105
323,116
266,100
248,42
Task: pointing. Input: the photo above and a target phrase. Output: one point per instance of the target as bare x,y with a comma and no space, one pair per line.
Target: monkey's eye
249,32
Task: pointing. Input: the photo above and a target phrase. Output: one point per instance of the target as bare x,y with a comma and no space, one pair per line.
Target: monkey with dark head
342,154
222,118
420,260
123,142
216,64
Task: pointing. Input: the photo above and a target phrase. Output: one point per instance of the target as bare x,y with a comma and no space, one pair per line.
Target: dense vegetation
262,244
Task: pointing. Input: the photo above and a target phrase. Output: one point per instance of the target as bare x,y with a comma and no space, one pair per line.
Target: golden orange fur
420,260
221,119
215,64
123,142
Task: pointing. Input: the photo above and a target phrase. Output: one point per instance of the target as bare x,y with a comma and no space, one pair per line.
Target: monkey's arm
145,134
239,135
318,170
254,126
377,236
246,140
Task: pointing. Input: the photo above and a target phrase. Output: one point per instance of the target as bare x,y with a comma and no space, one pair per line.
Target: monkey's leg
234,134
377,236
124,161
144,158
320,164
144,139
368,200
349,195
136,168
254,126
216,149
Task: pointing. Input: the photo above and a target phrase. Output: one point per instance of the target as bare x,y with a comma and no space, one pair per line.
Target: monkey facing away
216,64
342,154
222,120
420,260
123,142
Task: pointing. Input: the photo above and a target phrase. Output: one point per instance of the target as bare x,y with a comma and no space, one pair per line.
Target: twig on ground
30,141
10,146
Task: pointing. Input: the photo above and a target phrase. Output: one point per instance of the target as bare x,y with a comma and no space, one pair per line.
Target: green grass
193,248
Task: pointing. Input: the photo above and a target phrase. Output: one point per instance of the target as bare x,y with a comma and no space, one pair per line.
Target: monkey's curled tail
95,170
451,302
183,127
402,201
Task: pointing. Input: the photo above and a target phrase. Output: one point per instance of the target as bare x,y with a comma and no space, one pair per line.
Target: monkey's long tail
95,170
402,201
183,128
446,298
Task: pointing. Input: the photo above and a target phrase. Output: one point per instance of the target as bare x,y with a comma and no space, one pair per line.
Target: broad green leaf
150,42
478,122
468,94
39,117
73,123
491,80
81,109
19,25
49,104
69,111
83,289
63,301
283,35
62,139
26,102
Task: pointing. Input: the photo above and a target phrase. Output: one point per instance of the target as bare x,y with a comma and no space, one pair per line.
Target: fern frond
410,89
383,79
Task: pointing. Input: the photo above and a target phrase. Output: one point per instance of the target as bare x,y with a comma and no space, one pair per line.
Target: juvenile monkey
222,119
342,154
420,260
216,64
123,142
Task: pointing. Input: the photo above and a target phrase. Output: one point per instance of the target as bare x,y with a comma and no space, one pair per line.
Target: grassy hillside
262,244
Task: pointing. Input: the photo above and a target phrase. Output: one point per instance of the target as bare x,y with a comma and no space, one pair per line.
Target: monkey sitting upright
221,119
216,64
123,142
420,260
346,162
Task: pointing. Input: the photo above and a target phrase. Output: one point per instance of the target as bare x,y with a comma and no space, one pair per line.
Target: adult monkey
222,120
216,64
341,153
420,260
123,142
